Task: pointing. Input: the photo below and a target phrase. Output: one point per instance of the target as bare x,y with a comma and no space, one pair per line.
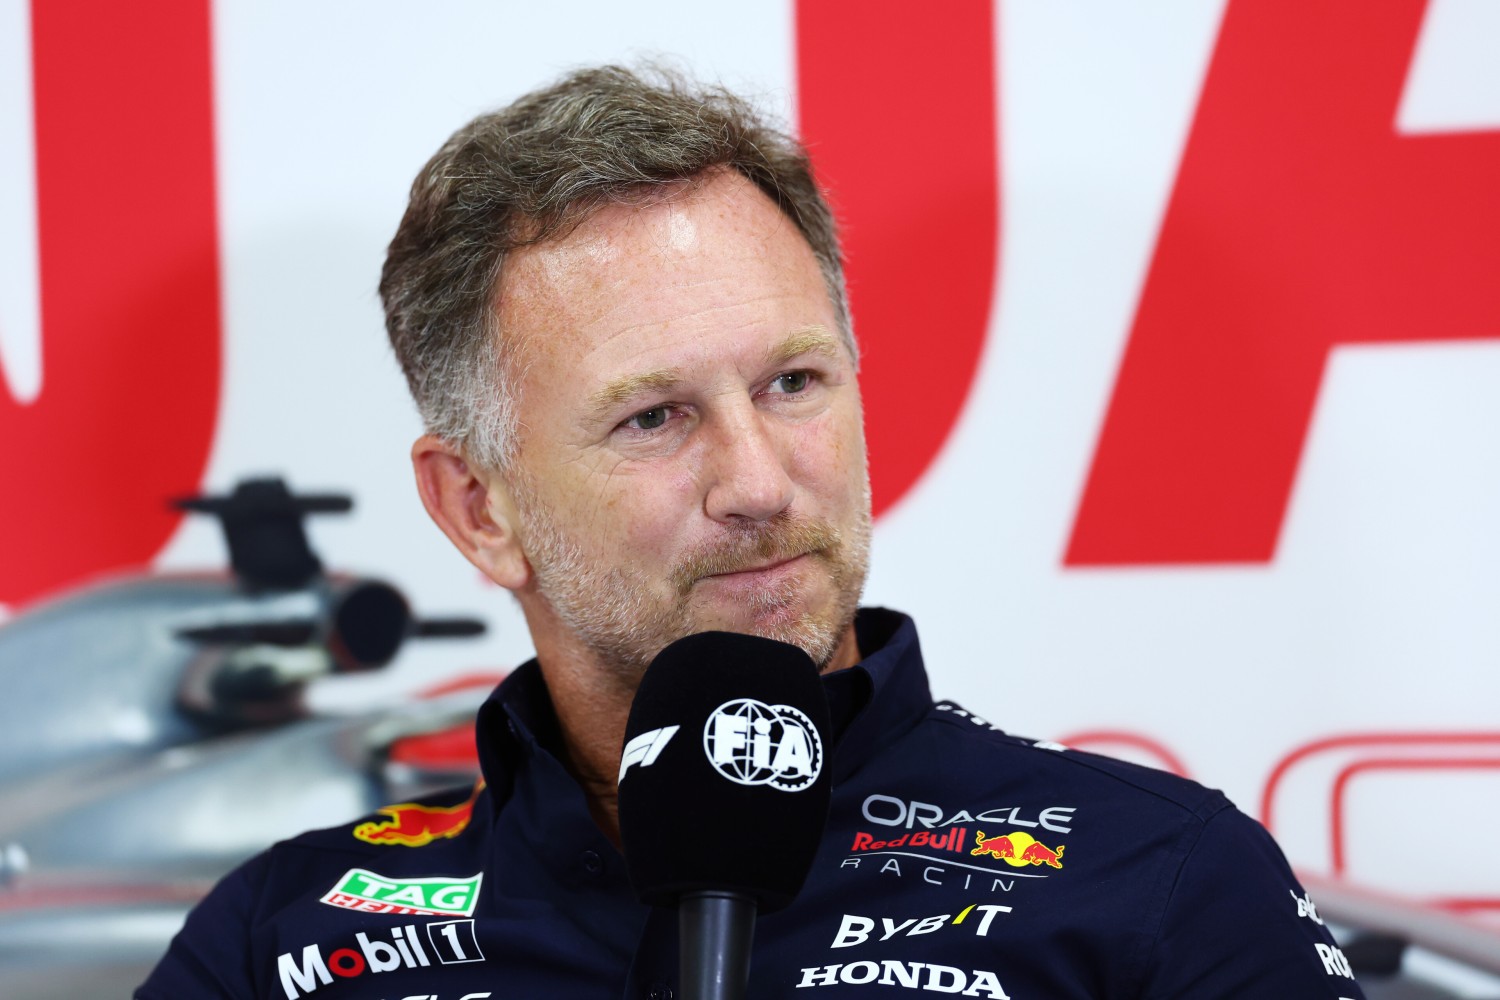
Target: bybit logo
856,930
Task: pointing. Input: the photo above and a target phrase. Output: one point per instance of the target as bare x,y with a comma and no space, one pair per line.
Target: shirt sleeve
1237,924
210,956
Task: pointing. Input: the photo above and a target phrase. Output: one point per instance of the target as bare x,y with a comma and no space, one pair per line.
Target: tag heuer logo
424,897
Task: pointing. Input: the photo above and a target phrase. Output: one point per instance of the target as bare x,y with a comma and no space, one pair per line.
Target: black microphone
724,791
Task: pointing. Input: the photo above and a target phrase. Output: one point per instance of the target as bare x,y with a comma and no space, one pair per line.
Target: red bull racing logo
1017,849
953,840
413,825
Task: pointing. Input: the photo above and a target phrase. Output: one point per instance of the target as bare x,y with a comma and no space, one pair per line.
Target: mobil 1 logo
408,946
454,942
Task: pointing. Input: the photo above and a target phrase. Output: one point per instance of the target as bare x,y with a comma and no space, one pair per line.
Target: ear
473,508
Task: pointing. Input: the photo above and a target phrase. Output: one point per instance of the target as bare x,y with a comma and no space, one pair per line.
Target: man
619,306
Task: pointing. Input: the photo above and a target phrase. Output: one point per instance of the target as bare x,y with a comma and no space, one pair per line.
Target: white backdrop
1376,614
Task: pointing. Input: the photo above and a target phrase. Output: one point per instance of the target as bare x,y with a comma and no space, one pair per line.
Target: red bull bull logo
1017,849
413,825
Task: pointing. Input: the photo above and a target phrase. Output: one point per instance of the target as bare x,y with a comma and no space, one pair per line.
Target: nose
747,464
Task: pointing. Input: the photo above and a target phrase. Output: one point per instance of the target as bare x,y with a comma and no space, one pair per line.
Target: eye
648,420
792,382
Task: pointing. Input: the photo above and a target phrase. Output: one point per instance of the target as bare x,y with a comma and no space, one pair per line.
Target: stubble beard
624,617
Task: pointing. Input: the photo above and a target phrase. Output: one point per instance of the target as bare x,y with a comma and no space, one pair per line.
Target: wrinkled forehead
638,267
655,235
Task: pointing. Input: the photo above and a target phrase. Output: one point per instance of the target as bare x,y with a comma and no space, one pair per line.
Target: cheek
648,512
829,456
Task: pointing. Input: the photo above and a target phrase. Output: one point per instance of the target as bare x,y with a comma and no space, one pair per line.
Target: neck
592,707
592,702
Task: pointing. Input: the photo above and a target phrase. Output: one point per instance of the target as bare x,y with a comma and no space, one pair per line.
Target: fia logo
752,743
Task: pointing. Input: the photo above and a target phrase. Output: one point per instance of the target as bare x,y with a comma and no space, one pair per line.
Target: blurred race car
154,733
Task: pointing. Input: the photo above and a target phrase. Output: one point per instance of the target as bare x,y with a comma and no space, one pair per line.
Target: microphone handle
715,929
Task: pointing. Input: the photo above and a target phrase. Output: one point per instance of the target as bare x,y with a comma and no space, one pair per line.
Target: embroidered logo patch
445,896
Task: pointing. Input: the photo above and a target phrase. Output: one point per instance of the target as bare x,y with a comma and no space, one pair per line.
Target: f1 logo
645,748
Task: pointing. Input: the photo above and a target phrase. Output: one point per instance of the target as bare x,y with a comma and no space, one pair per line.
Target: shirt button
593,864
659,991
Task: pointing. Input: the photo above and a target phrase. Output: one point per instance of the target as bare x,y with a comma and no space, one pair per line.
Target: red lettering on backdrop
898,109
128,247
1300,220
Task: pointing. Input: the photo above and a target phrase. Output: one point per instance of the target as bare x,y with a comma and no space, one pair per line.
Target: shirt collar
871,704
890,689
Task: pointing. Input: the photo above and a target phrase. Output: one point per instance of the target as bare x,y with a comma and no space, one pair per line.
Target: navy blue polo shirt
958,860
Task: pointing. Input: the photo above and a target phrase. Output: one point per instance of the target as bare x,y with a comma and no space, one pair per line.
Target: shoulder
988,796
435,834
416,857
981,753
432,818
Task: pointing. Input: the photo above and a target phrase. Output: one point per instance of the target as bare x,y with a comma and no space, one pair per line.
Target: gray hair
530,173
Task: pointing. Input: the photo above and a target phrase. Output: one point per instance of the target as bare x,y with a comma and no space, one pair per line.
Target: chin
817,635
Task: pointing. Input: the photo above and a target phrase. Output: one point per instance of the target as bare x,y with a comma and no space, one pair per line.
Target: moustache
783,537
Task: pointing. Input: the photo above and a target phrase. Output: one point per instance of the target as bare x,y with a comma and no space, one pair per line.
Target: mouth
764,571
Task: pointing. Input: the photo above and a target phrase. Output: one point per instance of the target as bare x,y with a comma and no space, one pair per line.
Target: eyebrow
627,387
808,340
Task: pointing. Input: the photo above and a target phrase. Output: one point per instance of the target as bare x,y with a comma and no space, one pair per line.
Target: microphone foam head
724,782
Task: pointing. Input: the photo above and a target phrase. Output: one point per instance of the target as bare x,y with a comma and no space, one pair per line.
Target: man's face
691,453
